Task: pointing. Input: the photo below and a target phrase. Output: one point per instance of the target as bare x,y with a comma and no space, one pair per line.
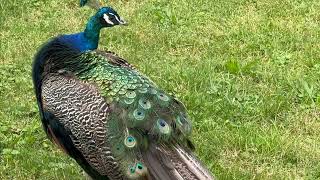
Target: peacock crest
95,4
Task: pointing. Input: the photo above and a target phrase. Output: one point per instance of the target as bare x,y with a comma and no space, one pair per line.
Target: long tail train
174,163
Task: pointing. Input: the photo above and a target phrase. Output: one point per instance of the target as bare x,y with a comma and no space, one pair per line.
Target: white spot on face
106,18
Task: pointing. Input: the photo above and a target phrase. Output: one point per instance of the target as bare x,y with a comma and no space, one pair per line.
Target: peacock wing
77,116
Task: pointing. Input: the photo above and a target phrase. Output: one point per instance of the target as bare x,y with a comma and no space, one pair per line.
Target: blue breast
80,42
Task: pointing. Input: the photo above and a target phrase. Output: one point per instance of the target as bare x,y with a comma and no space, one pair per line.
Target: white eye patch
106,18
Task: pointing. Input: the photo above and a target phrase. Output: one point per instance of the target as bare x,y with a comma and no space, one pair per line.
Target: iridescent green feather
140,111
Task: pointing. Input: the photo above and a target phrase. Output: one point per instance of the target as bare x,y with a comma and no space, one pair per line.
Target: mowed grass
248,72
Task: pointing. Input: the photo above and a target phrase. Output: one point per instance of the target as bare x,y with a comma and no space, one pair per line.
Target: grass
248,72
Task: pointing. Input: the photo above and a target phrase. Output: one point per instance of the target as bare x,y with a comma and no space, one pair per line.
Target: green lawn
247,70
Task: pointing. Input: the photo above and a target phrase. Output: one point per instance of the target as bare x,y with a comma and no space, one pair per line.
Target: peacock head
108,17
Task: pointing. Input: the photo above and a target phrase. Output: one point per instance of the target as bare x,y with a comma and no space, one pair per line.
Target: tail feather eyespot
137,170
145,104
130,141
131,94
163,127
139,114
163,97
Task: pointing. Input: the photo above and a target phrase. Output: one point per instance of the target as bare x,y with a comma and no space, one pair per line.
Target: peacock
101,111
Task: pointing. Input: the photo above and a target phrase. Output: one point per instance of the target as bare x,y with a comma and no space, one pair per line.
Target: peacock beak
123,22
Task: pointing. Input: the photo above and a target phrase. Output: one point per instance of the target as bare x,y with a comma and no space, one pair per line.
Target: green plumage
114,79
140,114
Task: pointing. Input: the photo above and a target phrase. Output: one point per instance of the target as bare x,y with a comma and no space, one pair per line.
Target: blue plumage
81,41
89,38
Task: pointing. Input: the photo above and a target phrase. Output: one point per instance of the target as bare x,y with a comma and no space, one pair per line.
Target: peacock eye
162,123
130,141
111,18
163,97
163,126
139,166
131,94
139,114
145,104
132,170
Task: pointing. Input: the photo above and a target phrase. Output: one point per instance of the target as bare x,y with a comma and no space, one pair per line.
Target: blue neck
87,40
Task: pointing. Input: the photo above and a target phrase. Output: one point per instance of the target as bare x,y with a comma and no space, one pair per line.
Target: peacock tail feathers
140,112
141,117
